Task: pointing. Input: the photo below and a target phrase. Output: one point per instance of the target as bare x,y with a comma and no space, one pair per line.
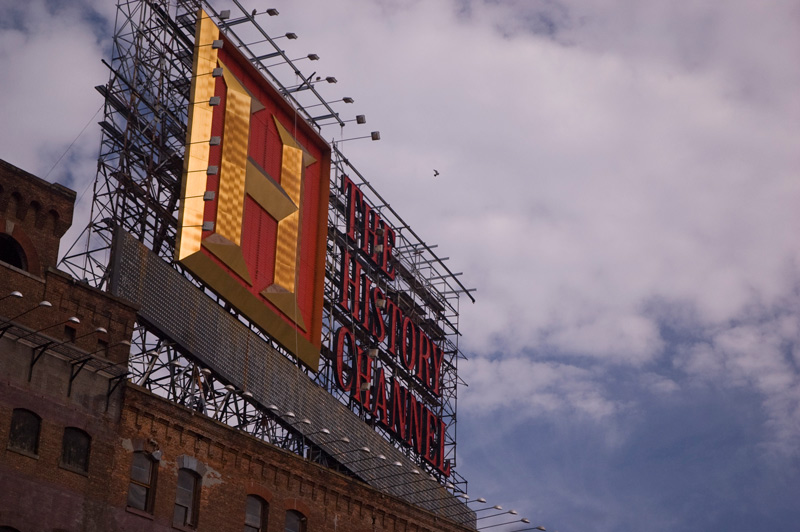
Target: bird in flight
435,172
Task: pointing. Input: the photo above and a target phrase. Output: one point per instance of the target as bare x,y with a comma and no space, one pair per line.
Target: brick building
83,449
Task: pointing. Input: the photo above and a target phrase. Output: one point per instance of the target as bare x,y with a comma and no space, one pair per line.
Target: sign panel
385,356
254,199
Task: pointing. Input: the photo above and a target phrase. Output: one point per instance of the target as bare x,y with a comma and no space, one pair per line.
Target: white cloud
755,356
51,62
618,179
527,389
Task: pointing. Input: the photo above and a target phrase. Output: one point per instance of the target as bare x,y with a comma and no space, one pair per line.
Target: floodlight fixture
512,512
310,57
436,487
524,520
540,527
348,99
379,457
360,449
495,507
343,439
320,431
40,304
414,472
71,319
15,294
272,12
392,464
51,345
375,135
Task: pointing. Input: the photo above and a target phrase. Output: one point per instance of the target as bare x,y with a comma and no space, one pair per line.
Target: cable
75,140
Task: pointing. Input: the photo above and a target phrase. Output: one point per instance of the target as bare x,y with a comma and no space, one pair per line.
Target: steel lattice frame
137,187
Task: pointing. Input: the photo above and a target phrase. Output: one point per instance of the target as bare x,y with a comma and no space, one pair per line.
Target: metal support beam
36,356
73,372
113,383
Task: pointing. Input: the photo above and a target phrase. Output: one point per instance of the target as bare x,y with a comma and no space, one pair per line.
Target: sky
619,181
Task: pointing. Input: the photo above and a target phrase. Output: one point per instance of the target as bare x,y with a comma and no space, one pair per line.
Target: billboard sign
383,356
254,197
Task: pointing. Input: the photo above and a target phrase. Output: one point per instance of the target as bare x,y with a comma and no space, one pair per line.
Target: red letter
342,335
354,199
386,257
409,345
398,424
444,465
350,289
363,375
366,316
424,358
416,418
379,404
431,424
378,326
395,319
436,368
369,225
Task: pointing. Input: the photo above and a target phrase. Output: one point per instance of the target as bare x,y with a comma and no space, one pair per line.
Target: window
295,522
11,252
185,513
24,433
255,515
141,490
75,450
8,529
102,348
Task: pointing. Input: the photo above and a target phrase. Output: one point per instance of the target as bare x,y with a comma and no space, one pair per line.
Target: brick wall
233,465
38,493
35,213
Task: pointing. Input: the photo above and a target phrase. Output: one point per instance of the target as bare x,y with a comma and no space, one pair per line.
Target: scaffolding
137,188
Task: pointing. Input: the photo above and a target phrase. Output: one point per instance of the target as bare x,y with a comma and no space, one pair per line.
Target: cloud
759,355
51,52
533,389
618,180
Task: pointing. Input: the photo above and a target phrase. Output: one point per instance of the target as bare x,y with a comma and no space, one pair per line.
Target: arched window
24,433
295,521
75,450
186,498
142,487
12,253
8,529
255,514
